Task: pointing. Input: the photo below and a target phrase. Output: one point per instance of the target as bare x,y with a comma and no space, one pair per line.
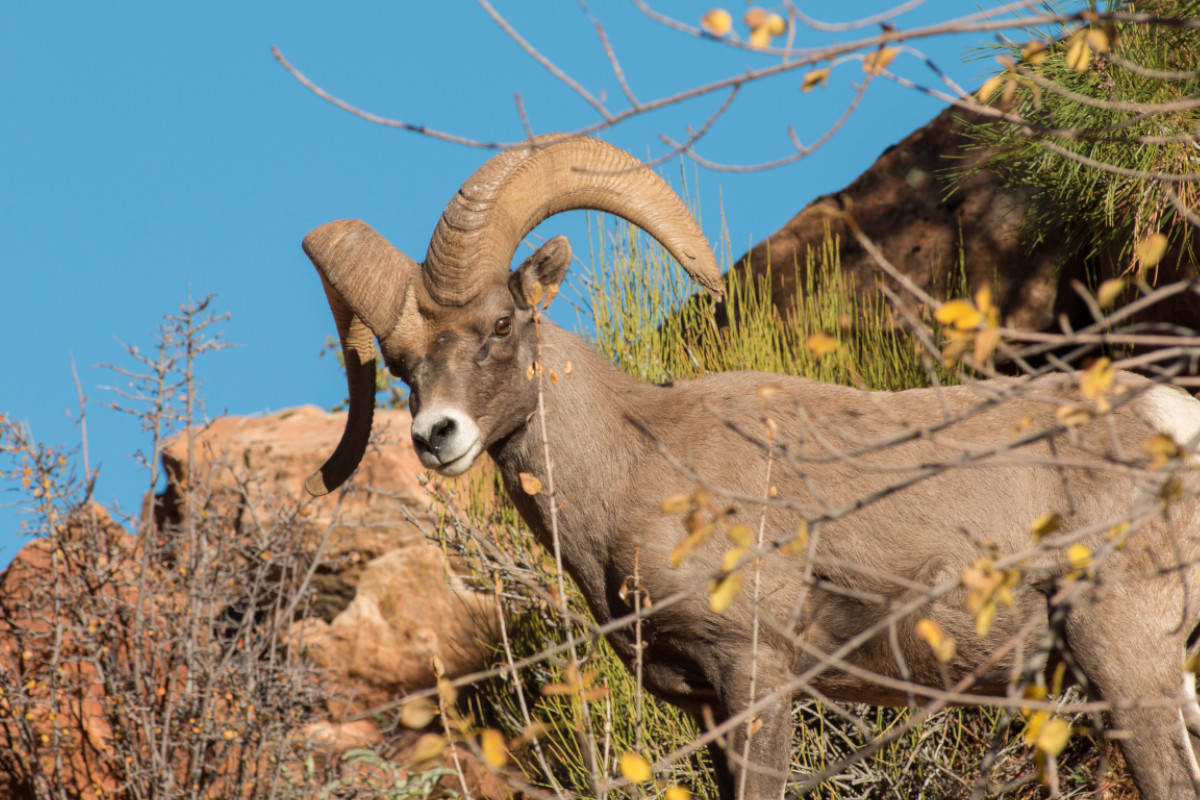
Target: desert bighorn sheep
904,494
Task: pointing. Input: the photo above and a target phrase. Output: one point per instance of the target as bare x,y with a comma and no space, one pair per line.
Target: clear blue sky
152,150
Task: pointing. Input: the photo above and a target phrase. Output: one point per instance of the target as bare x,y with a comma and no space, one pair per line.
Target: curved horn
366,280
509,195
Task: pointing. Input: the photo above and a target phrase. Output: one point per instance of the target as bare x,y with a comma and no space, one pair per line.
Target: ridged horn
508,196
366,280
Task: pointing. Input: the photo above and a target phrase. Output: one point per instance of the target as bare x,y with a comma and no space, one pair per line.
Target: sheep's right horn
497,206
366,280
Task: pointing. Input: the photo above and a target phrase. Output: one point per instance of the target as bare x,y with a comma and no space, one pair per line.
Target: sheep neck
585,412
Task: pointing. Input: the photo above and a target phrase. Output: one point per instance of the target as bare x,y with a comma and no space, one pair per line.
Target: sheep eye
503,326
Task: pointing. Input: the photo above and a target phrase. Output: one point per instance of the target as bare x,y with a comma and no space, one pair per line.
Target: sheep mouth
447,463
455,466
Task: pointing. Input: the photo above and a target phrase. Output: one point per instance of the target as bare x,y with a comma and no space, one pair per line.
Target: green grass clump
651,323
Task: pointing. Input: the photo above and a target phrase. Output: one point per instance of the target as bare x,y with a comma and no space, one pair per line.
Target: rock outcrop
63,725
386,603
935,230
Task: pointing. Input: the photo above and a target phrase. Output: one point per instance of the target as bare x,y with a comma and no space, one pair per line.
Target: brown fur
619,448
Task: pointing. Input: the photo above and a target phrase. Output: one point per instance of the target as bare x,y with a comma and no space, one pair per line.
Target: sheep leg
1128,647
757,772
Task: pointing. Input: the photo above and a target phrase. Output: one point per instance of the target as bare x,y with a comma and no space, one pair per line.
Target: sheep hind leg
1132,660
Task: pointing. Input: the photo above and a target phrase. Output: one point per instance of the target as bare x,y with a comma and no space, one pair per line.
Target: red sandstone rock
388,601
389,597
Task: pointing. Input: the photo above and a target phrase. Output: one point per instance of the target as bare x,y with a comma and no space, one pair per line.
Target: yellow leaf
678,792
722,592
1079,556
755,17
981,578
1109,291
1034,726
960,314
739,535
592,695
776,24
696,519
985,344
429,747
732,557
798,545
1010,89
418,713
1033,692
1079,55
985,618
821,344
1152,249
818,77
1098,40
1045,525
1073,416
942,645
530,483
1053,736
989,88
717,22
1171,490
1034,53
1163,448
676,504
535,293
635,768
878,61
983,299
697,537
760,37
1118,534
1097,379
493,748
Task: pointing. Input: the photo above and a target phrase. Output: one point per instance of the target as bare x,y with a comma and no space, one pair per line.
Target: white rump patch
1172,412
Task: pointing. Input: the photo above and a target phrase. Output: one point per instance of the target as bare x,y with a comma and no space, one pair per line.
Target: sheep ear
535,283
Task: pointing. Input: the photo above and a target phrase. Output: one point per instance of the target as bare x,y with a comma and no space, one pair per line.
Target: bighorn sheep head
463,306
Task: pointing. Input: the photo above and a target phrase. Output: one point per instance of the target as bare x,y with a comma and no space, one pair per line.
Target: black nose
441,430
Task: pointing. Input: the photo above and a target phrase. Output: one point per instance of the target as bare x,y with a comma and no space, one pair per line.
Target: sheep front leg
759,771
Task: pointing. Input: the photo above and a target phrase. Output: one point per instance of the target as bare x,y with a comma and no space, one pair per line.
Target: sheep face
470,386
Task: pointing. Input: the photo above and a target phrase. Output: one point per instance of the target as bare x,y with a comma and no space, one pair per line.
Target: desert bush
157,664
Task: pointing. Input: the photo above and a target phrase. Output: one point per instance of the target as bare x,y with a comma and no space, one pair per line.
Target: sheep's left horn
366,280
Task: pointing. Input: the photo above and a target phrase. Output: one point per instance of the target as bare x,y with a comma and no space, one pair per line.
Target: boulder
58,720
388,602
936,230
386,598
